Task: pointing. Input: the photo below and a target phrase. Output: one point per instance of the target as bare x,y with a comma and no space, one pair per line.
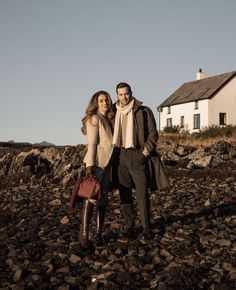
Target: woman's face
103,104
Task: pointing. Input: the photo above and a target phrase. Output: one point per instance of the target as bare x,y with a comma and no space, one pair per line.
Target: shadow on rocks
222,210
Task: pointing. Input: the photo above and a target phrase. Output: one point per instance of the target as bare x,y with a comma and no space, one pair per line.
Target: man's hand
145,152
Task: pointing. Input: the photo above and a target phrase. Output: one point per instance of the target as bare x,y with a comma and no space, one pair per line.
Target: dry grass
207,136
192,140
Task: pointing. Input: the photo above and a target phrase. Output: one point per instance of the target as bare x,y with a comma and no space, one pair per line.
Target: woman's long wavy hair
92,109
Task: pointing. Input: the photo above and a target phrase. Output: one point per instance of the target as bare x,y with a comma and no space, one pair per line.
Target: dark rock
223,147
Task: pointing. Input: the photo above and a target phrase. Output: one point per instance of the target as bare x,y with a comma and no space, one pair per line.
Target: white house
201,103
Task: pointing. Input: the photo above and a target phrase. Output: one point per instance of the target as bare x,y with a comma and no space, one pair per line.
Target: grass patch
206,136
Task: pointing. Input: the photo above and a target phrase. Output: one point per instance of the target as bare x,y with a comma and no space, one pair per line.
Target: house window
196,121
169,122
168,110
182,121
196,105
222,118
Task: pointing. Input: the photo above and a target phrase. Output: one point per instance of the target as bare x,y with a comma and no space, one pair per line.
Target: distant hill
13,144
44,144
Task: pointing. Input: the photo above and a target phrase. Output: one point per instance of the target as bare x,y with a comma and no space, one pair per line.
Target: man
135,135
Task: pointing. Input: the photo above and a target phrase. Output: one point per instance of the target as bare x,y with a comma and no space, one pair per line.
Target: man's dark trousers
132,169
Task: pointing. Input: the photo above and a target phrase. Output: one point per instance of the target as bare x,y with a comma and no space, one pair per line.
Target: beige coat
99,135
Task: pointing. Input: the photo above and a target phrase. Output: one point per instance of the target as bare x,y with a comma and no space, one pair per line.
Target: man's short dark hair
123,85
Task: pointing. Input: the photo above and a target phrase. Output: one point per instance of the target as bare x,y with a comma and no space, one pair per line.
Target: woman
97,126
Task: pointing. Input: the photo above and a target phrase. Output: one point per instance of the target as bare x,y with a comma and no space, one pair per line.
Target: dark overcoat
146,135
158,179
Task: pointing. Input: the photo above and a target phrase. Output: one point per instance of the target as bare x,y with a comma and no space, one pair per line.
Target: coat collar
137,104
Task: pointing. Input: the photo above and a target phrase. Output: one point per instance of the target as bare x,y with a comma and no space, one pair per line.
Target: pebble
223,243
64,220
17,275
74,259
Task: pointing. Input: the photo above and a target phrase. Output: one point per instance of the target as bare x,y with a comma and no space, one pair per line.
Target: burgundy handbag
89,187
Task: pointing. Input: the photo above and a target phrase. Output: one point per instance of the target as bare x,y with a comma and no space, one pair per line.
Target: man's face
123,96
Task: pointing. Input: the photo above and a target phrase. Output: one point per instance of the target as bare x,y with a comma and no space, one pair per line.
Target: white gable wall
187,110
224,102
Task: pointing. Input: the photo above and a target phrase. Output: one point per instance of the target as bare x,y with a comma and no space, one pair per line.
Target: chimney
200,74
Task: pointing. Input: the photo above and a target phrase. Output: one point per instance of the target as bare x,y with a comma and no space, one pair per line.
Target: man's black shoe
147,234
99,239
131,234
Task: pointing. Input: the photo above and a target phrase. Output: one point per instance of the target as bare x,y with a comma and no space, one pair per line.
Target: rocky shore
194,245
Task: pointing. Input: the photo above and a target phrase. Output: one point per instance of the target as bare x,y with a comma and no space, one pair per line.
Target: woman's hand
89,171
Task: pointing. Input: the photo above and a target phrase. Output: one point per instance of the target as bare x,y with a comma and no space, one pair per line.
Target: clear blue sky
54,54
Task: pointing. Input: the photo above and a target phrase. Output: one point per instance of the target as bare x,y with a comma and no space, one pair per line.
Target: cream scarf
128,110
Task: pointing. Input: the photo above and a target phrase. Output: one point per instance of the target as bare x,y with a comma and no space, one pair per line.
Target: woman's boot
85,223
101,213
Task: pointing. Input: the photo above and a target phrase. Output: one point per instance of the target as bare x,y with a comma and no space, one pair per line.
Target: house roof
198,90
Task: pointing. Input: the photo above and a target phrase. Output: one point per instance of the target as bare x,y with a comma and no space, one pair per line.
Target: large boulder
183,150
42,165
27,167
66,169
5,163
202,162
223,147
